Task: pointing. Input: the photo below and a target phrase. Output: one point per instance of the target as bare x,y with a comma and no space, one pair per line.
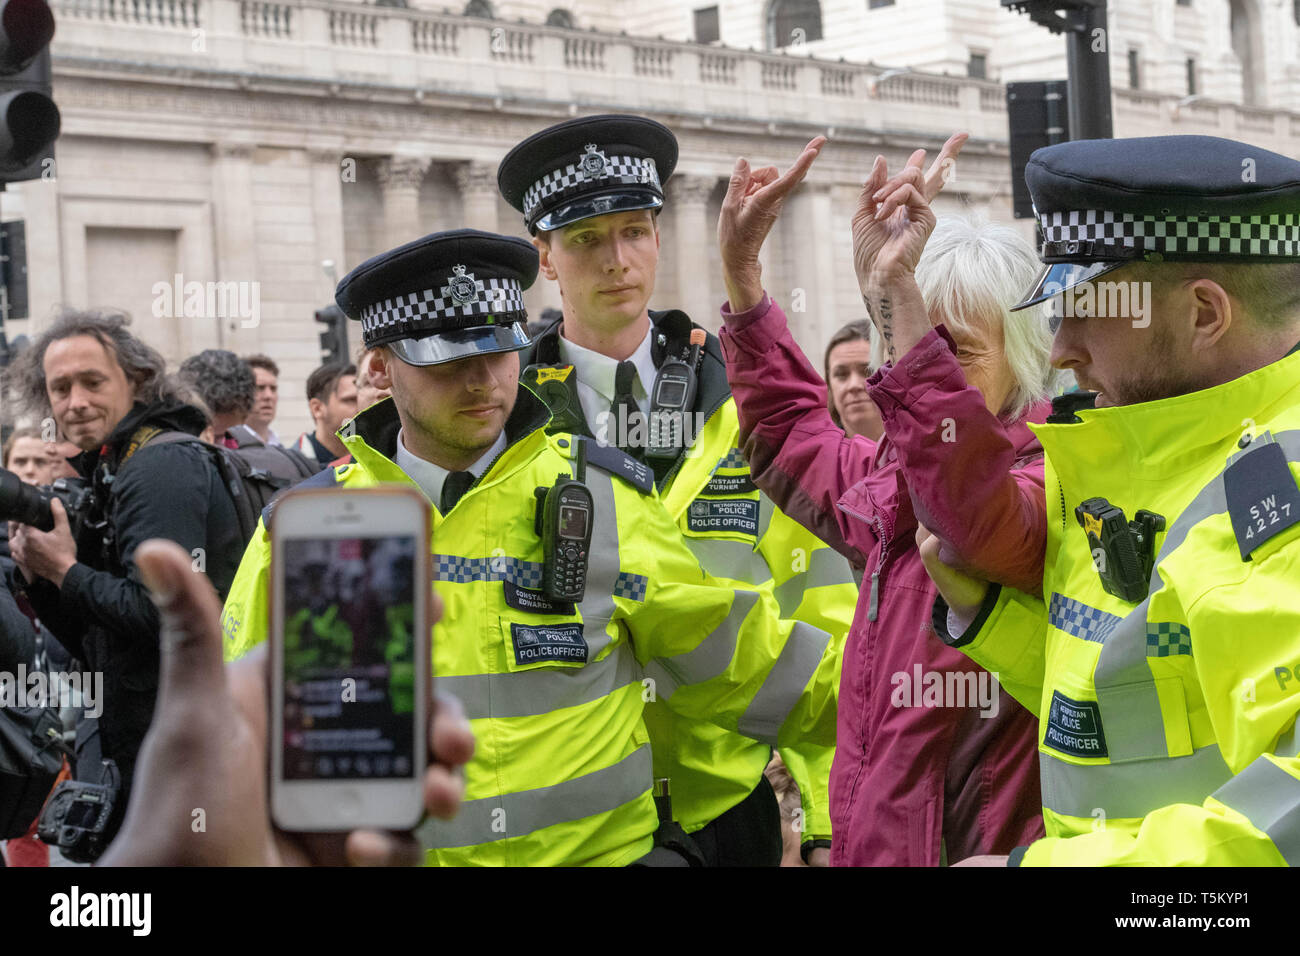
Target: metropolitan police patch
1074,727
562,643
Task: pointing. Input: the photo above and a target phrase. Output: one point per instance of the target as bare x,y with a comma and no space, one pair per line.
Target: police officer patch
1074,727
723,514
539,645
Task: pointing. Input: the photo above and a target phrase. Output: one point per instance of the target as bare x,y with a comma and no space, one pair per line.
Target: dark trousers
749,834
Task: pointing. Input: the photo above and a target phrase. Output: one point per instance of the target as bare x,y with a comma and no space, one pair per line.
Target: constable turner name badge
1074,727
538,645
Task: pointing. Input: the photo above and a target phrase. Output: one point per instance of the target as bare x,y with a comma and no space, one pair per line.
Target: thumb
190,639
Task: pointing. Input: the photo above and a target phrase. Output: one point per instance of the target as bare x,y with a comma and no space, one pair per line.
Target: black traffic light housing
29,120
1087,51
334,337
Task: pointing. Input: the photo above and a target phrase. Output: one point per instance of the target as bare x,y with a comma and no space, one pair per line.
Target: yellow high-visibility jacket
742,539
561,774
1168,727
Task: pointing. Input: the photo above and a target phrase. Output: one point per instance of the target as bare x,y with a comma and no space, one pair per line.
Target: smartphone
350,647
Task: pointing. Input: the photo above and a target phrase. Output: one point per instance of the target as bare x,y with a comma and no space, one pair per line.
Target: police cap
445,297
1102,203
588,167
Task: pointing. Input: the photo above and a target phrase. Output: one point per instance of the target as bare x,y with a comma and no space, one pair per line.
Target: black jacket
102,613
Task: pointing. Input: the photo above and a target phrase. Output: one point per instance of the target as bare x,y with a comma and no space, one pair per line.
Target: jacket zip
874,605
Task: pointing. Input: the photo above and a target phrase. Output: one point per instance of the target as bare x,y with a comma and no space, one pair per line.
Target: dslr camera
78,814
30,504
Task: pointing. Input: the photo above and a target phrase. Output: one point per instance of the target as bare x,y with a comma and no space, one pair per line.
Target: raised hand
893,219
749,210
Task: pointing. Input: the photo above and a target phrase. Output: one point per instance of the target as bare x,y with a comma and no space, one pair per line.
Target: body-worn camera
1123,551
30,504
78,815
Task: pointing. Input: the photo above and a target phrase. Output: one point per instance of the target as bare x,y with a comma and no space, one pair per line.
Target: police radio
563,521
671,399
1123,551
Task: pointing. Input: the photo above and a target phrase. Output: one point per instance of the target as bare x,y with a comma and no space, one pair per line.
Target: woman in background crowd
848,366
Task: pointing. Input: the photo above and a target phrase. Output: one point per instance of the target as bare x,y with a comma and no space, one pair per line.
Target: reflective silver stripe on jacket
826,568
1130,790
515,814
785,683
710,657
535,692
1269,798
736,560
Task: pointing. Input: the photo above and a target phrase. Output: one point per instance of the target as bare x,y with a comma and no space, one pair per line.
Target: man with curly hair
108,393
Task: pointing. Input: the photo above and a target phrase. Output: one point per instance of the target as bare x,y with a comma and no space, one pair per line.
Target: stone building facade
218,155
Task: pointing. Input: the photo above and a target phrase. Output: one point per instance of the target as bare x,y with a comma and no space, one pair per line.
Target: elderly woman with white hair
934,761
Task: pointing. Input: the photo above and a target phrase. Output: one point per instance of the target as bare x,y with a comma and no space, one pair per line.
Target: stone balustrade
340,42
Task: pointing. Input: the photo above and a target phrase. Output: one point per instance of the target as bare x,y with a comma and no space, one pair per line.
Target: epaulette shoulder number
617,462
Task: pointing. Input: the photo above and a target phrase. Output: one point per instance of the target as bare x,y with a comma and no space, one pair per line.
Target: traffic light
29,120
1038,116
334,337
1087,57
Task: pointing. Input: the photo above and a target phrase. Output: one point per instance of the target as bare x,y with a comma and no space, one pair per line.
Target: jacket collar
373,438
167,414
1172,435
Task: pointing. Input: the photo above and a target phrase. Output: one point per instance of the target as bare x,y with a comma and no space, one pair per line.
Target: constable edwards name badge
1074,727
537,645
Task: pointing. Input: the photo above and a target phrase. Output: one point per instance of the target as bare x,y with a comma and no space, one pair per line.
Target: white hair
974,268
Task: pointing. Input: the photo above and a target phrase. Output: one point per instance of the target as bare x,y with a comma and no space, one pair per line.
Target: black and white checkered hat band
1263,236
499,297
626,170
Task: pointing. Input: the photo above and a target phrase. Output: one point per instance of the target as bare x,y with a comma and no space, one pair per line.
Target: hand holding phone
200,796
350,631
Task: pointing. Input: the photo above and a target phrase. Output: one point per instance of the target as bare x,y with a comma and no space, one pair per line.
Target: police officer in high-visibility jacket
553,683
590,190
1161,654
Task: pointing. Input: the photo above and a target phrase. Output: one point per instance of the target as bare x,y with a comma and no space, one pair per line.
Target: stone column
399,181
688,197
810,300
45,289
235,245
327,220
477,183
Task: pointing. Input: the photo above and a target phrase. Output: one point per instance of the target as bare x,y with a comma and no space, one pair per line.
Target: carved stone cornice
688,190
401,172
224,149
475,178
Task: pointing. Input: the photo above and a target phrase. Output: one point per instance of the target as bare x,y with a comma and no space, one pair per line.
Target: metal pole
1087,51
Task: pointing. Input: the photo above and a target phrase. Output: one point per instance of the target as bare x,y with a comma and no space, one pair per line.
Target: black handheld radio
563,521
671,400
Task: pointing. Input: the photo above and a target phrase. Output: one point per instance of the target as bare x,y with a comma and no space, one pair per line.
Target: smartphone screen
349,658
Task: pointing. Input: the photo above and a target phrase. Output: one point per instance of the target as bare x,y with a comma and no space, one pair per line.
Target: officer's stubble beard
1155,376
446,446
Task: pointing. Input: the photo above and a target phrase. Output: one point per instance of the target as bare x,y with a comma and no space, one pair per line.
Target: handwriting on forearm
882,313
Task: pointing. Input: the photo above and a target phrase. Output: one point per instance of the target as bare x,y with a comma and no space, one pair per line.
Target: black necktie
456,484
624,406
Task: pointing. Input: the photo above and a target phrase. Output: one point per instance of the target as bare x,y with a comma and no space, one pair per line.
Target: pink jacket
911,768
